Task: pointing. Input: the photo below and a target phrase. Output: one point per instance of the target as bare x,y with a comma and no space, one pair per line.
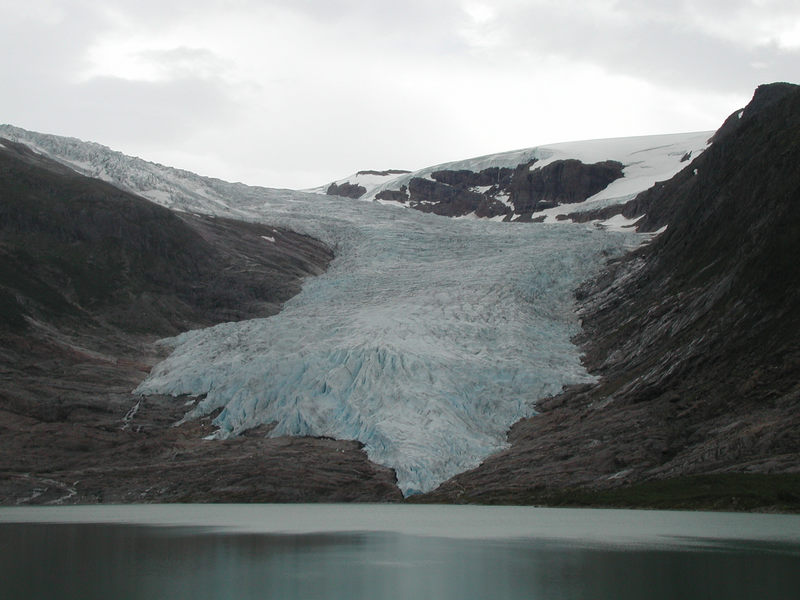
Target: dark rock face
346,189
499,176
560,182
694,336
400,195
385,173
71,246
90,277
450,201
462,192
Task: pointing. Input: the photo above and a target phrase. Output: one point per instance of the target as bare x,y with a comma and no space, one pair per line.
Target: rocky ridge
508,193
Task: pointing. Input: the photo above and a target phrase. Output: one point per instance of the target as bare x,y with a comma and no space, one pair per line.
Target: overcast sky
295,93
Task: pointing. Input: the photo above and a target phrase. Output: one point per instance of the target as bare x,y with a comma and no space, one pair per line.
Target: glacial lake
393,551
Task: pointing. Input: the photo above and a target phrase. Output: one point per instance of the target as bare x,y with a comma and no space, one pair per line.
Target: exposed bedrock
499,176
384,173
451,201
400,195
346,189
560,182
502,191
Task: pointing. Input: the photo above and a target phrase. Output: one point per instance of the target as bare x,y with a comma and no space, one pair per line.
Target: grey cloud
661,51
654,40
39,49
718,9
334,103
121,112
135,111
43,90
658,41
187,62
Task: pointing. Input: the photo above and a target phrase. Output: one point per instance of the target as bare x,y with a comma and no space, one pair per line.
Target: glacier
646,159
426,339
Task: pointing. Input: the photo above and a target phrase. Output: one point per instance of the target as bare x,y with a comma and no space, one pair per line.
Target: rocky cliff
694,338
513,194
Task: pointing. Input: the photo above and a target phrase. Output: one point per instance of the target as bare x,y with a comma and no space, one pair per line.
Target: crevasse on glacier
425,340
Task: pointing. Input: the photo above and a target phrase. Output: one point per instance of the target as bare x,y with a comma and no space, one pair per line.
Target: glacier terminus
426,339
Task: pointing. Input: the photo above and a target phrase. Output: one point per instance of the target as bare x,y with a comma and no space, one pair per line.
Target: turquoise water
376,551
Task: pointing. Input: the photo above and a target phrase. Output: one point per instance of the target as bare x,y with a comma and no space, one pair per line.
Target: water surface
385,551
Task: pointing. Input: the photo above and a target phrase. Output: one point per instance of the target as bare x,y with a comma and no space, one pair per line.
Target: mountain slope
85,245
90,276
694,336
172,188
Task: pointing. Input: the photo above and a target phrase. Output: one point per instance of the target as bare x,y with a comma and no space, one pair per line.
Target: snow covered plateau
426,339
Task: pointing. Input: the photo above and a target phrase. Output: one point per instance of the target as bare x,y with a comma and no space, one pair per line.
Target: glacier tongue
425,340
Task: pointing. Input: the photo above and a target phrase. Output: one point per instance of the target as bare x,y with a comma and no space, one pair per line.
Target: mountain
694,338
73,245
439,346
545,183
90,277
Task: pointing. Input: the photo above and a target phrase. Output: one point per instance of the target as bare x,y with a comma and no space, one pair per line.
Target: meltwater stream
425,340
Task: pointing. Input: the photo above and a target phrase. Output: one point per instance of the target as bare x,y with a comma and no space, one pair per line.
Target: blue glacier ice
425,340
